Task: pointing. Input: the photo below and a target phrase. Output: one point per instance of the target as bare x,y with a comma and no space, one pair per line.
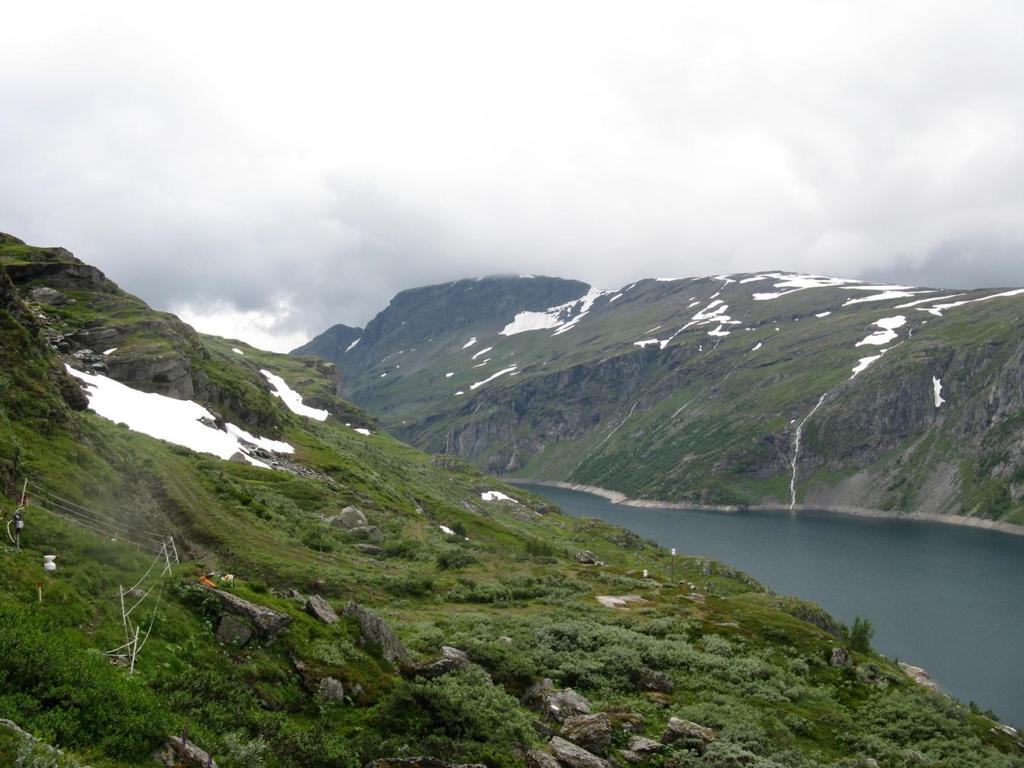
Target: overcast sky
268,170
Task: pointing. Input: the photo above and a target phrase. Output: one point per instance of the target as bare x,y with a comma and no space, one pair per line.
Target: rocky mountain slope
249,573
745,389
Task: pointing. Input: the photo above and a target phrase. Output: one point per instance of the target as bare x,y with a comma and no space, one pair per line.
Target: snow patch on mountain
938,309
181,422
937,391
886,333
493,376
469,343
483,351
292,399
562,317
496,496
352,346
864,362
885,296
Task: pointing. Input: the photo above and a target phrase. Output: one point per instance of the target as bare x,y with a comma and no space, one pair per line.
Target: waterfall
796,450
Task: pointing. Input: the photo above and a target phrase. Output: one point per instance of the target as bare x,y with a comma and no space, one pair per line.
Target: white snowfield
938,309
165,418
446,530
492,377
562,317
236,350
790,283
887,332
483,351
352,346
937,392
363,431
469,343
885,296
864,362
276,446
291,398
496,496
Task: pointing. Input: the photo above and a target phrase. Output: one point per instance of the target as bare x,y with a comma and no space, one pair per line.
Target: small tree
859,636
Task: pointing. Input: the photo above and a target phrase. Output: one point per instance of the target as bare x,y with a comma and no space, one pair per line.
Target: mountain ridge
664,339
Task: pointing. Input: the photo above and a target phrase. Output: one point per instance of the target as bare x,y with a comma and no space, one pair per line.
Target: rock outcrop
233,631
330,689
688,734
318,607
375,632
268,622
554,703
592,732
180,752
452,660
570,755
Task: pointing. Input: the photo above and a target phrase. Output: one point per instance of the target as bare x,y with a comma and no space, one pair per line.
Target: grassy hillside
499,580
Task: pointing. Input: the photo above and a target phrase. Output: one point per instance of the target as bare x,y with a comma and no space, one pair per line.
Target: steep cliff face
76,310
695,390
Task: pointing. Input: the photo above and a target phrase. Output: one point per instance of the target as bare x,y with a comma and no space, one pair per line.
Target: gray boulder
538,758
687,734
45,295
321,609
555,704
369,549
268,622
233,631
592,732
350,517
374,631
571,756
179,752
840,658
330,689
452,660
587,557
643,746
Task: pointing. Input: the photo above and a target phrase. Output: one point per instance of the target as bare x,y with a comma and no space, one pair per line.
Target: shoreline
615,497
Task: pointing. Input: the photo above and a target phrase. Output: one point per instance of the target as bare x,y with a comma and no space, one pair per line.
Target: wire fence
40,497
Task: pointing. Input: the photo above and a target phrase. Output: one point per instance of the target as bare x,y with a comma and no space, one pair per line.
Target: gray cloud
271,175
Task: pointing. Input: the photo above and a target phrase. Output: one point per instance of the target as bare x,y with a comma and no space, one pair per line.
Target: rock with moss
687,734
319,608
375,632
592,732
570,755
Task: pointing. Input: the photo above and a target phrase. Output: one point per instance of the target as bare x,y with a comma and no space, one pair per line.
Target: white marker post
672,566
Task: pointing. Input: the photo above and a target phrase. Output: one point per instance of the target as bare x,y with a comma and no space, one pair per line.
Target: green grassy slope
505,586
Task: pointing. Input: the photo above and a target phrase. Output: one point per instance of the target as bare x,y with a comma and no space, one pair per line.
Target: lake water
944,597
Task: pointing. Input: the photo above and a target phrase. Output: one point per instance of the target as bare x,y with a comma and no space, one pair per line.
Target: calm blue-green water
944,597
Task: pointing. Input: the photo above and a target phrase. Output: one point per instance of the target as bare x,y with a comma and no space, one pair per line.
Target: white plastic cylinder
48,564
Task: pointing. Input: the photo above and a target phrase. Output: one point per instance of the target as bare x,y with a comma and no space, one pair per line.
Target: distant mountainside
741,389
331,344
